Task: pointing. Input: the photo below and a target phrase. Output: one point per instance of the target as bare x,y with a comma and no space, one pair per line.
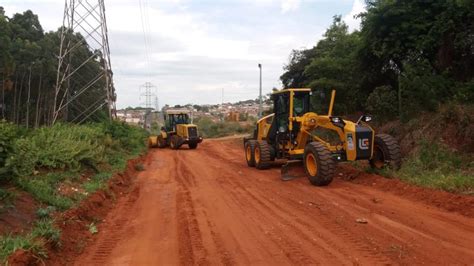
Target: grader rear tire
318,164
249,152
386,153
262,155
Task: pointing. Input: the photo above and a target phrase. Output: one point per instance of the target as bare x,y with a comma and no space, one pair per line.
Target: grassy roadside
59,167
438,149
435,166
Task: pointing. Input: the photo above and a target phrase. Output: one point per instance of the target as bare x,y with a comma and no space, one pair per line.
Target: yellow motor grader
177,131
289,133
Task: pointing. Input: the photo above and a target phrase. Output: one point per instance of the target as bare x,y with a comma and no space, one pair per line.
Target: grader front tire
318,164
193,145
249,152
386,152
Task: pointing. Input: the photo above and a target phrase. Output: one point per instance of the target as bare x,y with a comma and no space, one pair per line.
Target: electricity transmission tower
147,91
82,88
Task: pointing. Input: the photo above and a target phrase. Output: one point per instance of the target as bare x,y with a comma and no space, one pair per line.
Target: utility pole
260,94
86,18
222,97
157,103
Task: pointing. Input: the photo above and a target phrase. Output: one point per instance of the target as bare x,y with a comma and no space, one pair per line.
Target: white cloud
199,47
354,23
289,5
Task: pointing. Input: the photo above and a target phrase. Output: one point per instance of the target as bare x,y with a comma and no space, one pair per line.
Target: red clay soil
205,206
462,204
20,217
22,257
75,223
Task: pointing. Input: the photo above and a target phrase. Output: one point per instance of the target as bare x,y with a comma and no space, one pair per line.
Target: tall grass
436,166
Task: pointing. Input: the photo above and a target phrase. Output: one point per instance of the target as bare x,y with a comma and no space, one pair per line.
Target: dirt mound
78,225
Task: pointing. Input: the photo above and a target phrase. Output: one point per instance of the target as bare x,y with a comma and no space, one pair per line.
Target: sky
197,49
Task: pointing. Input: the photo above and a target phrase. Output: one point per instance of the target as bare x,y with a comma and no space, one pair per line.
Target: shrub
382,103
8,134
60,146
126,137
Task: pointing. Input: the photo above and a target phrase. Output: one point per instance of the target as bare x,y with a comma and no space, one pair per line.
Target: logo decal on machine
364,144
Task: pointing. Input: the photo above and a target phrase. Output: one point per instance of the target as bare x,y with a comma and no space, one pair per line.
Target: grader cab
289,133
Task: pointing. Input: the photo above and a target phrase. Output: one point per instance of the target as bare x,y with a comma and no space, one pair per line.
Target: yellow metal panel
296,152
350,144
290,125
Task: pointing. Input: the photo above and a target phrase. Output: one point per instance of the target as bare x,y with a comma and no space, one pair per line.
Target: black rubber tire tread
265,155
391,150
174,142
161,142
325,162
250,143
193,145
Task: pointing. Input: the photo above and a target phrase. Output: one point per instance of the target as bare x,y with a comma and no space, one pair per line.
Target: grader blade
292,169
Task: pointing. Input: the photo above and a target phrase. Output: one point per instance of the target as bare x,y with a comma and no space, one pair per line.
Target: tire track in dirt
369,254
114,231
186,178
375,242
206,207
191,248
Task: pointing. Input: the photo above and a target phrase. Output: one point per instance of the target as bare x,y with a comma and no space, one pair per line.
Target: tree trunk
18,109
3,96
12,115
28,101
38,101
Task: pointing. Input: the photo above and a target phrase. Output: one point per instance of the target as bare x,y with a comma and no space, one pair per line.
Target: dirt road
206,206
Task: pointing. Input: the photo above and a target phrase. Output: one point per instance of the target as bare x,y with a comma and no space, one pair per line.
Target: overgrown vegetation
438,167
59,166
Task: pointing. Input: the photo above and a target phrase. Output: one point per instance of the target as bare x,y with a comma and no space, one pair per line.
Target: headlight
336,119
365,118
